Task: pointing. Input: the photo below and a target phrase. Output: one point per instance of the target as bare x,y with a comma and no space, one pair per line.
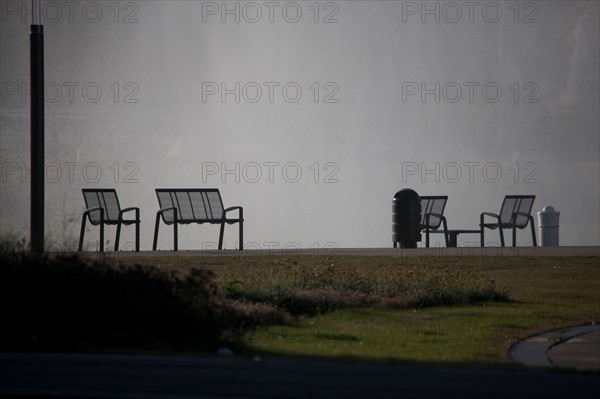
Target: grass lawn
542,293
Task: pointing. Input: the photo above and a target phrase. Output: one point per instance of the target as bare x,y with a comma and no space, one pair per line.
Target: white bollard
548,227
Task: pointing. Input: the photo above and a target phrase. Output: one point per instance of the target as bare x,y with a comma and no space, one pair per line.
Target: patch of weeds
314,289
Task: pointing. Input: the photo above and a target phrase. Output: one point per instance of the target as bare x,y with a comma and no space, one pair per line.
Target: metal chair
432,216
103,208
515,213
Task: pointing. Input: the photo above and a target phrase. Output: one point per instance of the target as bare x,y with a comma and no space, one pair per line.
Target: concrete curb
533,351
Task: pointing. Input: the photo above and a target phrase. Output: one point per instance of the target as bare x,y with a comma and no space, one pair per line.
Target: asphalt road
110,376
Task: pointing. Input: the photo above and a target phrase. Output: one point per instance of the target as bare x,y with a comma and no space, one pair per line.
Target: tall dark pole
36,47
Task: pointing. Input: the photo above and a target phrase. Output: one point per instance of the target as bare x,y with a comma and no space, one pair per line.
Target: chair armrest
437,215
490,214
130,209
88,211
527,215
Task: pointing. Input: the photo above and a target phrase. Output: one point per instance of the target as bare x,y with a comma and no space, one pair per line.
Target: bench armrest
163,210
233,208
137,213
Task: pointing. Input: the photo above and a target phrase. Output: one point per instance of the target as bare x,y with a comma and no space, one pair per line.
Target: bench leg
101,235
81,233
156,228
221,233
175,237
118,236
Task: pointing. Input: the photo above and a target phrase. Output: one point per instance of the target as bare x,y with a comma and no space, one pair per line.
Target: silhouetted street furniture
406,218
453,235
432,216
103,208
194,205
515,213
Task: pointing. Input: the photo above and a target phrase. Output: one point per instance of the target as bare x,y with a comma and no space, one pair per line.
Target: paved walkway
573,348
581,352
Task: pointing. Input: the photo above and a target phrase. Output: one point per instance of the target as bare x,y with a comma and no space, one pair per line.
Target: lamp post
36,52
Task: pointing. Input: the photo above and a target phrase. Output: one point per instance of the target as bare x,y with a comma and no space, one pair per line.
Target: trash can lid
407,194
548,209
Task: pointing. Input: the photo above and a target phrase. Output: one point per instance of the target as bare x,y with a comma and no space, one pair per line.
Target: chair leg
501,236
156,225
514,236
221,233
137,230
137,236
445,231
82,233
482,236
427,237
533,232
241,235
481,233
118,236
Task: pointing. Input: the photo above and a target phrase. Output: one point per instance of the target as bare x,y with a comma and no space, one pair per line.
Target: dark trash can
406,218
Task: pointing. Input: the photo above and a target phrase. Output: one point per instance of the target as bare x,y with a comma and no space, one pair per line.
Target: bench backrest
516,204
193,204
105,198
432,204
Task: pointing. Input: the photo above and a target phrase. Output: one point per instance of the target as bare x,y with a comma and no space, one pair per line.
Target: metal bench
194,205
515,213
103,208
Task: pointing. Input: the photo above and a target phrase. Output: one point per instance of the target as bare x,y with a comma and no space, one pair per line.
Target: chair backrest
432,204
105,198
513,204
194,204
